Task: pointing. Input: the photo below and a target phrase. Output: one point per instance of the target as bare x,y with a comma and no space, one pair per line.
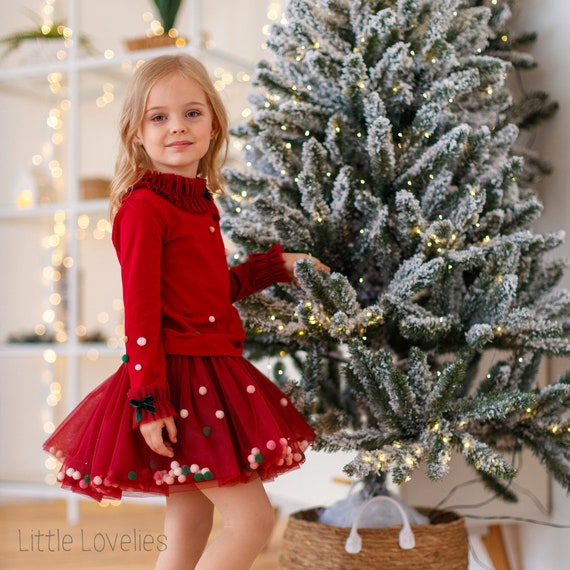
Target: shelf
45,210
61,349
17,80
211,55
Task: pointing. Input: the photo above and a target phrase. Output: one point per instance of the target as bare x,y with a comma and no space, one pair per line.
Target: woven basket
308,544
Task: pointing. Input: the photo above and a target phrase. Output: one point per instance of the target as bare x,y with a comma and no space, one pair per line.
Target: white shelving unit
64,362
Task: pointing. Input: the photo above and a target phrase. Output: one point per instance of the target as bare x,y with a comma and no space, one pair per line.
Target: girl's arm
138,232
264,269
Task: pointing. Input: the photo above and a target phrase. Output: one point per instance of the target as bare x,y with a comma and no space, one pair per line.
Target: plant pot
135,44
441,545
40,50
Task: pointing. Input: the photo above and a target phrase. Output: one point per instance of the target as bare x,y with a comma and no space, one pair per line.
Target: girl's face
177,126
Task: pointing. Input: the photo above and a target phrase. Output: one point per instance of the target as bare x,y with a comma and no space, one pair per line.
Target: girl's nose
177,129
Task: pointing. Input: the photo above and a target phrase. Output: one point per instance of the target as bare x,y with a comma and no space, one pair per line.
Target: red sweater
177,288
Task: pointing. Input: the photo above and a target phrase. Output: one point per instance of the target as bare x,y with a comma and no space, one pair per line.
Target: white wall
543,548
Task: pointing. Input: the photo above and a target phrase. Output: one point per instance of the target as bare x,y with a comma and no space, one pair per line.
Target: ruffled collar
186,193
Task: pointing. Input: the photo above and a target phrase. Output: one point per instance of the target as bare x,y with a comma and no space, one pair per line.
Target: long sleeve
138,235
259,271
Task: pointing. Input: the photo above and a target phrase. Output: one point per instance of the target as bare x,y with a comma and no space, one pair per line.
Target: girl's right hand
152,433
289,260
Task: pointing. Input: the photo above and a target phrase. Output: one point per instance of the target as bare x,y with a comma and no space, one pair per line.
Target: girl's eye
157,118
193,114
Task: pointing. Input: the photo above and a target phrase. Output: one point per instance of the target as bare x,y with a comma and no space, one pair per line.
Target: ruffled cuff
150,403
269,267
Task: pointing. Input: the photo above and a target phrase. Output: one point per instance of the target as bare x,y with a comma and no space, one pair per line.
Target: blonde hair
132,160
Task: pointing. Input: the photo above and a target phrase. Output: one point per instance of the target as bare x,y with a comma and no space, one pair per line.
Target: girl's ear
215,129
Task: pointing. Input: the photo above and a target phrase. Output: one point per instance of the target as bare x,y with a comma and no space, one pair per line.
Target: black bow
144,404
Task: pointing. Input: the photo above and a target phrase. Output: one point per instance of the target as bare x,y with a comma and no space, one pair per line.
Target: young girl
185,415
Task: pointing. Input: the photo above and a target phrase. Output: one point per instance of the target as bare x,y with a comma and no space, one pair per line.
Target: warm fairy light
55,299
40,330
273,11
103,317
50,463
49,356
107,97
92,354
25,199
48,316
83,221
156,29
59,228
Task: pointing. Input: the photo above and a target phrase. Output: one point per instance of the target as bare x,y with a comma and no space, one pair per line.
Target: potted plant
42,40
382,140
161,32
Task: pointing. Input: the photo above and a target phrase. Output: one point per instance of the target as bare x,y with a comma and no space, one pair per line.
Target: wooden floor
36,536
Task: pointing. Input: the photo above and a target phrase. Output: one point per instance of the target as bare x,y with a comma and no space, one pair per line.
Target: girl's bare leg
248,521
187,526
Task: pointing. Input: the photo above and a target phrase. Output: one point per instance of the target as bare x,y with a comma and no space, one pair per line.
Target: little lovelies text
60,541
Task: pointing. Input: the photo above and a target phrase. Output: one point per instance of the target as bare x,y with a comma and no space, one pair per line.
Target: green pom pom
208,475
198,477
259,457
185,470
125,358
132,475
87,478
206,430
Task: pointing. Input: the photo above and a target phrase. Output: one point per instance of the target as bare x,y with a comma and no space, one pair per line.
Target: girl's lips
179,144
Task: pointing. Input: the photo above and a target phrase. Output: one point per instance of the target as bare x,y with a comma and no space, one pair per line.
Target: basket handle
406,539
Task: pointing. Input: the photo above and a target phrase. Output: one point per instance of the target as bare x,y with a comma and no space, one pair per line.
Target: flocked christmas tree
383,140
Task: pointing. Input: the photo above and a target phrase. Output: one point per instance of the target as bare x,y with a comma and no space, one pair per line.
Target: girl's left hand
289,260
152,433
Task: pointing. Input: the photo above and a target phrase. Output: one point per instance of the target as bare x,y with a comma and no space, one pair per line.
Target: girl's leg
248,521
187,526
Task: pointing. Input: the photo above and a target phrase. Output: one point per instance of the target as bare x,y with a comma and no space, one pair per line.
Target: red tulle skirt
233,424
